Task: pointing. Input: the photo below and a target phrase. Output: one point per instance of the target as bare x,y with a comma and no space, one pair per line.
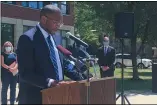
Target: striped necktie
53,56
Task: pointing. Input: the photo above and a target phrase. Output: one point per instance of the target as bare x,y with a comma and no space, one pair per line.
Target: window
127,56
24,3
119,56
33,4
25,28
40,4
55,3
9,2
63,7
7,32
138,57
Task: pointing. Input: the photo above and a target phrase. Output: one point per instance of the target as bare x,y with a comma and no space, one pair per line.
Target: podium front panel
102,91
65,94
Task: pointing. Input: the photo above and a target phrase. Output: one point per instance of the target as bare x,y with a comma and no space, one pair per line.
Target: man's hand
54,83
104,68
91,78
66,82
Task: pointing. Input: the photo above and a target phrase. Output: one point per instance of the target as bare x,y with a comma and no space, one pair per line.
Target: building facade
19,16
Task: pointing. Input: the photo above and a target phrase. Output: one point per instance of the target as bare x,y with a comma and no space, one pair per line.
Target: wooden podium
102,91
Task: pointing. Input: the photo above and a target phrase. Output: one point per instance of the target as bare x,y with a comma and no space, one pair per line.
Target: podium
102,91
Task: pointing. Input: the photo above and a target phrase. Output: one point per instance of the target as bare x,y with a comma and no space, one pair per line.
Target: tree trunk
135,75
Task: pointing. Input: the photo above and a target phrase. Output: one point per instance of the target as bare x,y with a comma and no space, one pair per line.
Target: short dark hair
105,34
49,9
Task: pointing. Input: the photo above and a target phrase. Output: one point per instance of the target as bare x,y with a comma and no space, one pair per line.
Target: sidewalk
137,97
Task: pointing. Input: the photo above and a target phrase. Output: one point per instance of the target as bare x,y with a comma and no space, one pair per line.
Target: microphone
77,40
69,54
66,52
68,64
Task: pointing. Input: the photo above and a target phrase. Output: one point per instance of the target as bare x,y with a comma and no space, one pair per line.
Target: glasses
60,24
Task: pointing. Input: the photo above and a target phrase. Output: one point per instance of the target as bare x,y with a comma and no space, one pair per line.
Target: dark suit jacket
106,59
35,66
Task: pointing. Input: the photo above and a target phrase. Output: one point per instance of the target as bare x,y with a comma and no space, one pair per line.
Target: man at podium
38,58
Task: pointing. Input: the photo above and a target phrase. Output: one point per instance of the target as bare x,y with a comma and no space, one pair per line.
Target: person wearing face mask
106,58
8,72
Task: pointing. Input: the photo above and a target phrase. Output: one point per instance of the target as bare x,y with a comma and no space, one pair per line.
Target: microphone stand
94,67
88,82
92,61
122,95
77,58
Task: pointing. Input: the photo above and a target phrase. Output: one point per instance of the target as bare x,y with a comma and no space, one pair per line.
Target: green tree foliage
100,16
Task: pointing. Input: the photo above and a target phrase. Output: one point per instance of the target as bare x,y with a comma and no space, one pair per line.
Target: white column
18,31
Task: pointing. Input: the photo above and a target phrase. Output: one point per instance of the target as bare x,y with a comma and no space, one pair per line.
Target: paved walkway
137,97
134,97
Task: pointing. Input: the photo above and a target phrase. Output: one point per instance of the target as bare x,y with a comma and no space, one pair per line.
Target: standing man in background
106,58
38,58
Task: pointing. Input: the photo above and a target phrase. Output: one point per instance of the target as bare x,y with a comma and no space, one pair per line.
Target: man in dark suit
106,58
38,58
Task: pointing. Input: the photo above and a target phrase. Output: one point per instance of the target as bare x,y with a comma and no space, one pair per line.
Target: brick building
19,16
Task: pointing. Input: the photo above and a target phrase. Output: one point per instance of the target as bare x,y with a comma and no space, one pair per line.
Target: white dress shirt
56,54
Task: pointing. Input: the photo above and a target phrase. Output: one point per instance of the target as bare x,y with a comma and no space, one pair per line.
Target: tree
100,16
143,12
85,22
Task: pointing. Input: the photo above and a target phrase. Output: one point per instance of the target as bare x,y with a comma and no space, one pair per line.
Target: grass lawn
140,85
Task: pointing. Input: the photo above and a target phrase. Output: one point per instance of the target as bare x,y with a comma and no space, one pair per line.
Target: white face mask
8,49
106,43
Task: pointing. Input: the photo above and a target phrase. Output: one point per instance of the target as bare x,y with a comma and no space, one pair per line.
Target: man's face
106,41
53,22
